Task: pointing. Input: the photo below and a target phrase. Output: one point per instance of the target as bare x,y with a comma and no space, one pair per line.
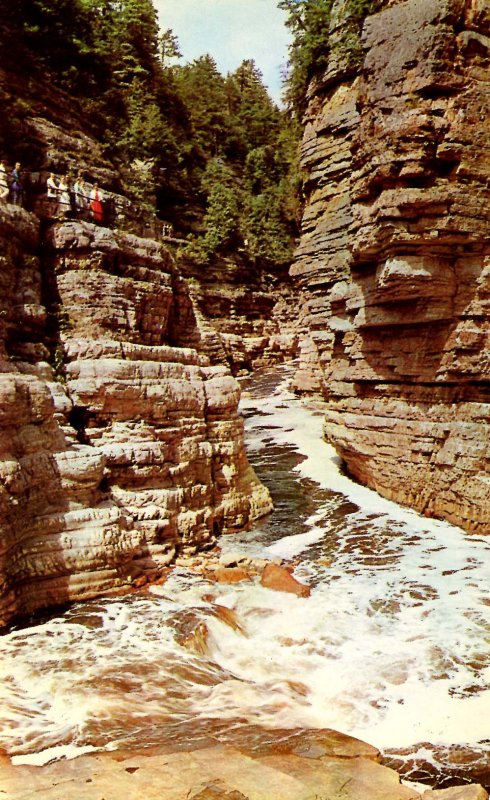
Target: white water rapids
392,646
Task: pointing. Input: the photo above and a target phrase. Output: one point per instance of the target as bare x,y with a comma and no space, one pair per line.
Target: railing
117,210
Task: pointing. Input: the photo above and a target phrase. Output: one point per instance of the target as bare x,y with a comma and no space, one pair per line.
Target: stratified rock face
394,262
248,312
119,443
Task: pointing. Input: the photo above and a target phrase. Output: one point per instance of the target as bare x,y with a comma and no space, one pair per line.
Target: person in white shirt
80,197
52,194
52,186
64,196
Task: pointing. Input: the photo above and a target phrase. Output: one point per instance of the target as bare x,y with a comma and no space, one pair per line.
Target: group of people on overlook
85,201
63,200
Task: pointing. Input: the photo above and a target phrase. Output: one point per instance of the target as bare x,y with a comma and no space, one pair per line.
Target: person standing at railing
52,195
64,196
4,184
96,207
17,187
80,197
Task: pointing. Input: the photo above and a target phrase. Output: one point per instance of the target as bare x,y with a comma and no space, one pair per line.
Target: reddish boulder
280,579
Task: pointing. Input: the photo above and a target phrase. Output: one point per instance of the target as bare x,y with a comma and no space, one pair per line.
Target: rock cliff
394,260
120,440
248,312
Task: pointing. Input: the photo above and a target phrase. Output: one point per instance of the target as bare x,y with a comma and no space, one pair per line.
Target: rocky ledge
120,443
394,261
275,765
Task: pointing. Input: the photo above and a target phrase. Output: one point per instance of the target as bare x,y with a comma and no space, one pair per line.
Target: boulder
280,580
231,575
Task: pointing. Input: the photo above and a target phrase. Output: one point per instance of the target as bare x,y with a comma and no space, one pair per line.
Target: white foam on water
408,643
294,421
320,662
393,645
68,686
293,545
68,752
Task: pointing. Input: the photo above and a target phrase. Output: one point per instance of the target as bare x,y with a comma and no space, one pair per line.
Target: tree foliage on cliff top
112,58
310,22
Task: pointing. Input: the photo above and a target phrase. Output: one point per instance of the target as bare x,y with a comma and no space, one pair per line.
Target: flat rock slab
264,765
154,777
223,773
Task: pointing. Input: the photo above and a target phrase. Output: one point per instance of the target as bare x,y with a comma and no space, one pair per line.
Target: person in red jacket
96,207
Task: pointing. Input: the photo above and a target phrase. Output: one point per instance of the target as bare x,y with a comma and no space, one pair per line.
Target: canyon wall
249,312
121,445
394,260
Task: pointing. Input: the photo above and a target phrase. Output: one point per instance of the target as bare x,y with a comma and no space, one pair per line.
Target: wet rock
233,558
228,616
259,564
221,771
138,583
231,575
470,792
191,631
218,791
280,580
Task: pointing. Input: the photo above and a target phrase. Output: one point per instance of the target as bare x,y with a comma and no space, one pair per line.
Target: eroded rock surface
248,313
394,262
281,765
120,444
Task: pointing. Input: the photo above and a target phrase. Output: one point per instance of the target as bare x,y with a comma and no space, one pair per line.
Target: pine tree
203,89
251,108
213,153
309,21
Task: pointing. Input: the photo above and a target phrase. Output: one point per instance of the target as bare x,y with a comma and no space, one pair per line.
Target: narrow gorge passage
392,646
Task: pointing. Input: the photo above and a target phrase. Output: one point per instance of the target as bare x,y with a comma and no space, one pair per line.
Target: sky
231,31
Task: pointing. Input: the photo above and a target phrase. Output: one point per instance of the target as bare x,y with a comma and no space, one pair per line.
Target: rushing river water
392,646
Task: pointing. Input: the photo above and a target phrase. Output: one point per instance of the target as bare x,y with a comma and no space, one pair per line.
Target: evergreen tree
252,110
248,161
202,88
309,21
168,47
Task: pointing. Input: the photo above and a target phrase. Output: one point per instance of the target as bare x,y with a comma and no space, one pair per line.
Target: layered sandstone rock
120,444
248,312
394,262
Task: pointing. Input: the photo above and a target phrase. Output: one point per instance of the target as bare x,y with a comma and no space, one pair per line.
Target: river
392,646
